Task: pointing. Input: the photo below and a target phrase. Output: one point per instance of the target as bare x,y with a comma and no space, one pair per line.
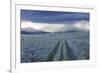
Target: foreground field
54,47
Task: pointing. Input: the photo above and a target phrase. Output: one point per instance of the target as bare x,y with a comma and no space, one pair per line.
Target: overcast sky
52,16
53,21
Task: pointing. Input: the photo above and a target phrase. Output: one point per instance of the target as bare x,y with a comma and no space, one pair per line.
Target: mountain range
30,30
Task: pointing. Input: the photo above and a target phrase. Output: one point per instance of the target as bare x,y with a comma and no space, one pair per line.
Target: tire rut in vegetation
61,51
69,52
53,52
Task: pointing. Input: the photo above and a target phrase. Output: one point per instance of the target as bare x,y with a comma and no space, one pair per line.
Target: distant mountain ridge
34,31
31,31
35,28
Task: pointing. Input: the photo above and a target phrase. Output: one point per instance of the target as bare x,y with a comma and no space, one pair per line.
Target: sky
53,21
52,16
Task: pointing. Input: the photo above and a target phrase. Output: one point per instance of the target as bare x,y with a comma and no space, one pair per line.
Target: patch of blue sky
57,17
